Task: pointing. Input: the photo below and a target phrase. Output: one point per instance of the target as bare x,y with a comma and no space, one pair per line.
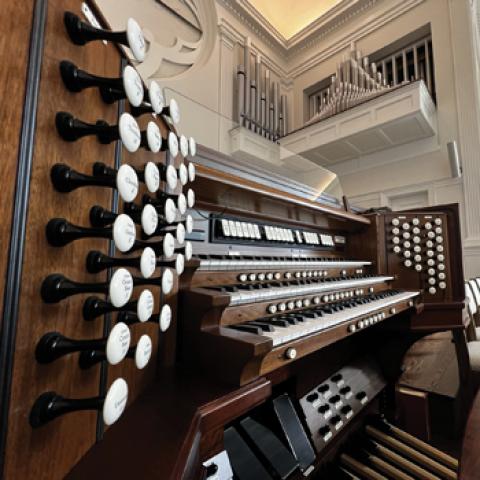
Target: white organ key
438,221
442,285
395,222
406,226
428,226
442,276
233,228
418,267
396,240
416,221
281,335
441,267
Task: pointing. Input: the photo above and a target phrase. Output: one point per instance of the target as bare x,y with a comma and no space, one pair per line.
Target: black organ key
57,287
163,318
130,84
61,232
127,130
257,330
140,353
81,33
54,345
50,405
125,180
279,323
93,307
266,327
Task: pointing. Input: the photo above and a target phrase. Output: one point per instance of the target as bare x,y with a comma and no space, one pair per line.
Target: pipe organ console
225,328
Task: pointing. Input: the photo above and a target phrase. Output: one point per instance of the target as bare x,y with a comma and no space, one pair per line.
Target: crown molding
335,18
382,17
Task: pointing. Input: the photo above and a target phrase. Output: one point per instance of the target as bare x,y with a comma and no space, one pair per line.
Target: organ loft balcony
400,115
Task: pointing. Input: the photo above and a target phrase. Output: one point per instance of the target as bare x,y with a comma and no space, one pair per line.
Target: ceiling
291,16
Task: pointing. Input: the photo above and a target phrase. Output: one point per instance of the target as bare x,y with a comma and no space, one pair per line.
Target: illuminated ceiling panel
291,16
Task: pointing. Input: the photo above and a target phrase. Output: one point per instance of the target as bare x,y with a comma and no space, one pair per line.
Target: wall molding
375,22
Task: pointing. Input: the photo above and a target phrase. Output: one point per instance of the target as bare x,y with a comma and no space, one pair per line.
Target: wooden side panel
50,451
15,28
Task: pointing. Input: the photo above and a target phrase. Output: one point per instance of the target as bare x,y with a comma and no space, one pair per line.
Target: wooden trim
19,216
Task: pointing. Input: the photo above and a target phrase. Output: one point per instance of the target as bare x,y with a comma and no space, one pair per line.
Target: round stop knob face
152,177
171,176
174,111
121,287
192,147
145,305
170,210
136,40
154,137
167,281
191,171
165,318
148,262
183,174
189,224
115,401
143,352
124,232
129,132
127,183
188,251
173,144
180,264
156,97
182,203
183,145
168,245
133,86
149,219
118,343
180,233
190,198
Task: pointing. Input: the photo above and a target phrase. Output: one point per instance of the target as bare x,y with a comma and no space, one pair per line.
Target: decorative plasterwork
374,22
314,34
324,25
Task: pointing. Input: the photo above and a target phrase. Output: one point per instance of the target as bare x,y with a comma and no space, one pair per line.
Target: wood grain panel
50,451
15,30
